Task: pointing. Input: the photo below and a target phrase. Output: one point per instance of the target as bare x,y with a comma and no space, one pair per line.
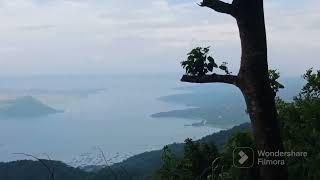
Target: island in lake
25,107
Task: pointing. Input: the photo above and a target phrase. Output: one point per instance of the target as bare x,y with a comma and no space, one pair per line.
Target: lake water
107,112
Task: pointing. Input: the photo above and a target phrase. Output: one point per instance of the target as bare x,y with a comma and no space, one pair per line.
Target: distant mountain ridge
25,107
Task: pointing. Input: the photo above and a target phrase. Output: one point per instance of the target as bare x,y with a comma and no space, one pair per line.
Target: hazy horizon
93,116
159,89
176,75
96,37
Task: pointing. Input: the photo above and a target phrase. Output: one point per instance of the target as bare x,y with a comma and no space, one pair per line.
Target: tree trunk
252,79
254,83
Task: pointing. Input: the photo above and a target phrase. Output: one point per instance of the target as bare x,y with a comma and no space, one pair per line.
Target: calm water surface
115,118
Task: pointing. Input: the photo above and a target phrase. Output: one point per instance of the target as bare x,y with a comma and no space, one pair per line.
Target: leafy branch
199,63
274,75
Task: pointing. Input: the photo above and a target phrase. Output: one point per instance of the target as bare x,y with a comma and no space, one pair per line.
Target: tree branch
218,6
229,79
50,171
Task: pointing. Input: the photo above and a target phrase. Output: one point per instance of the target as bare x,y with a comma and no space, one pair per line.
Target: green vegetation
211,156
301,128
193,165
215,109
199,63
300,131
33,170
139,167
274,75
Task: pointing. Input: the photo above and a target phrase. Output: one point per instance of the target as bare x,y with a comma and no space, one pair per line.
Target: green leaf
211,61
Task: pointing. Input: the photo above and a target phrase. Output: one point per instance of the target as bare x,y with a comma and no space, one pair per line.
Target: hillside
138,167
142,166
25,107
32,170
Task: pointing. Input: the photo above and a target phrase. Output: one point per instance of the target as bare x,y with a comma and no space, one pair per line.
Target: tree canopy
300,129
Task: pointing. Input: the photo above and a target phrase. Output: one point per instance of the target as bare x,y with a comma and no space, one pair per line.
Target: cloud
93,36
35,27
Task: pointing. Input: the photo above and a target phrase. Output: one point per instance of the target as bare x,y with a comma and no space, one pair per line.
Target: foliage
195,163
300,122
312,88
224,67
199,63
33,170
217,167
140,167
300,125
274,75
170,167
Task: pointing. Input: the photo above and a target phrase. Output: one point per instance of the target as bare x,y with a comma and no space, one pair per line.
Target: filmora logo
243,157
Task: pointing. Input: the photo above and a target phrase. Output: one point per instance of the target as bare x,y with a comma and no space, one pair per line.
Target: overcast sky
132,36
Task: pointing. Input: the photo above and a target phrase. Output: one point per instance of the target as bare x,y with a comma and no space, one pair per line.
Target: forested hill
142,166
139,167
32,170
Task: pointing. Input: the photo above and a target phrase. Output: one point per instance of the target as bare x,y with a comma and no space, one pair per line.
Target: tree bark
228,79
255,84
253,79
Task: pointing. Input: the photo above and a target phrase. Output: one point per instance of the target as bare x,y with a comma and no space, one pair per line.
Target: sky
144,36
